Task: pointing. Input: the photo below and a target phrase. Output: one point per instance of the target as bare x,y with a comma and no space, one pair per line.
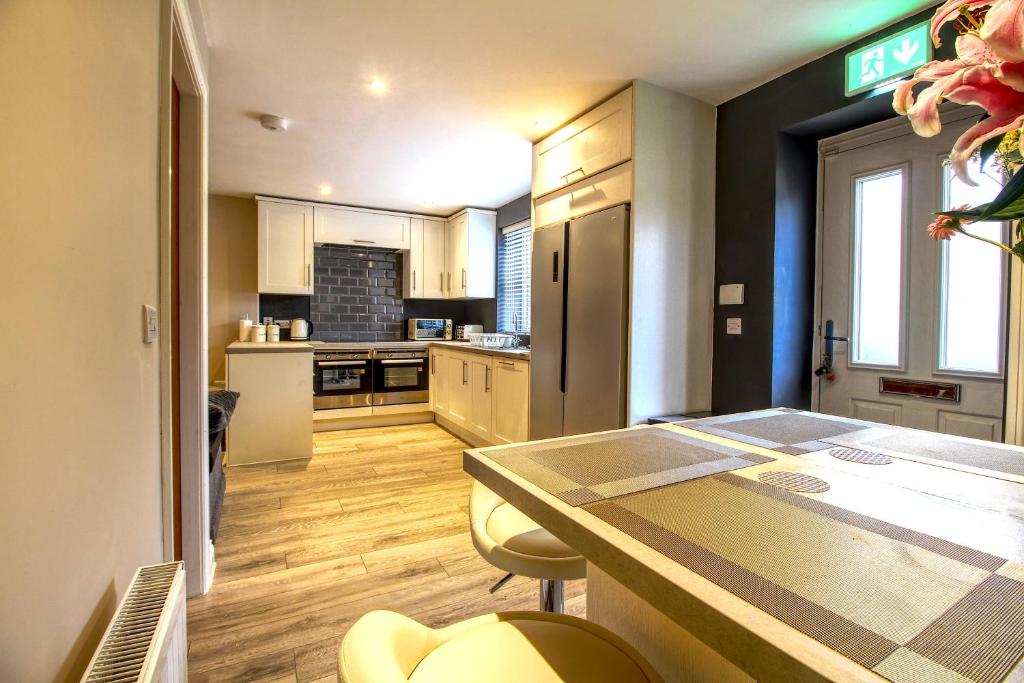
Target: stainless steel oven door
401,377
342,381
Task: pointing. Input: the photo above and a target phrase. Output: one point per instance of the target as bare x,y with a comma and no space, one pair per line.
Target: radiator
146,639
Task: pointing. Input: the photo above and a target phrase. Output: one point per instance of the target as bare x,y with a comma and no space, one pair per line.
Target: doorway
910,331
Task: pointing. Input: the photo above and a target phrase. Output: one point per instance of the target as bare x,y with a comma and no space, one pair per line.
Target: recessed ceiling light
378,86
325,189
272,122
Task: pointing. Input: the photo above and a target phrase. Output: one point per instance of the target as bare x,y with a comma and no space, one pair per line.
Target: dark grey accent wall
515,211
357,294
765,222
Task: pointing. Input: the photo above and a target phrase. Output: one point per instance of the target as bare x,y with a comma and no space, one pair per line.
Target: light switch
730,295
734,325
150,324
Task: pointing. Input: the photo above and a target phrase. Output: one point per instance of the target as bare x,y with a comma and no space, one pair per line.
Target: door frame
181,64
891,129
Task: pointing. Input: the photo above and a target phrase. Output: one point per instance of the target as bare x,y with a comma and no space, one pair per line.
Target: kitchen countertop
270,347
841,528
520,354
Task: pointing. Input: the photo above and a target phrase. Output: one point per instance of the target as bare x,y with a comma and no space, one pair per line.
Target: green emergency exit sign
888,59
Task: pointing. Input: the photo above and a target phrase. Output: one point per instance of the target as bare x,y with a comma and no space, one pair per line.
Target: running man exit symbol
888,59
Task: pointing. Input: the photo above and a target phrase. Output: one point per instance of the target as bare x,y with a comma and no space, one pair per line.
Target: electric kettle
300,329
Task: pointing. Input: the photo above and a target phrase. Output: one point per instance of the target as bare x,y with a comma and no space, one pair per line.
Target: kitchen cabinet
592,143
439,381
460,391
362,228
510,400
285,248
471,255
481,391
424,265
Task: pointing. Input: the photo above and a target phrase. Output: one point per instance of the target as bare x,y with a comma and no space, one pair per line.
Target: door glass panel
341,379
973,279
876,327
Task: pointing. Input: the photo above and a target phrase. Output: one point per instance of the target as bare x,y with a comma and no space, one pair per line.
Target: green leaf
1010,194
1018,250
989,148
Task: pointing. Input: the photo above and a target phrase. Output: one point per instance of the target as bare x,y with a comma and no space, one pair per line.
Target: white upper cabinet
594,142
472,253
362,228
285,246
424,266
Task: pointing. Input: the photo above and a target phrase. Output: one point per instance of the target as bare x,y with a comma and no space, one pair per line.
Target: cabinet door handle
364,241
575,170
506,364
433,366
463,278
414,282
464,380
487,378
309,274
442,282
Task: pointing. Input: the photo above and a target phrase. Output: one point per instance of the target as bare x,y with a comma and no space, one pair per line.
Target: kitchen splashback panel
357,294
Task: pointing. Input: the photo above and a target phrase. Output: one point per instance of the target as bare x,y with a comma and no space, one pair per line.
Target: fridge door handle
554,266
565,302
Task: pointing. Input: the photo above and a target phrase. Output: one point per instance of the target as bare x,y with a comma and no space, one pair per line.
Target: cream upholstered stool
510,540
384,647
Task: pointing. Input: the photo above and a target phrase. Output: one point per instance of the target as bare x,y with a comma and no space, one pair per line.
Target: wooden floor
377,519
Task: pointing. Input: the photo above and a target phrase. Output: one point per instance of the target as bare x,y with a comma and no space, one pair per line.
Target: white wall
79,419
673,253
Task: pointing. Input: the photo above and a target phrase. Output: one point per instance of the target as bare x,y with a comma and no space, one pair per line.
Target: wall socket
734,325
150,324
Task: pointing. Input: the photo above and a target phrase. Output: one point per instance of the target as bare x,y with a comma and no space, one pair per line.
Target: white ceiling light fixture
378,86
325,189
272,122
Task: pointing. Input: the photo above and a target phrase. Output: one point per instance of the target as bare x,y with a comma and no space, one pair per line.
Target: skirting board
674,652
372,421
464,434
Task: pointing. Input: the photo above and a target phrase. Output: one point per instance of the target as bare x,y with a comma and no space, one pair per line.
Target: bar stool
510,647
511,541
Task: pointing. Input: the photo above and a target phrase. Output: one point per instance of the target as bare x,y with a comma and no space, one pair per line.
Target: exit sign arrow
906,51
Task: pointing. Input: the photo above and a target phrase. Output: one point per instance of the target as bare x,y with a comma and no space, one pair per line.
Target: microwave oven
427,329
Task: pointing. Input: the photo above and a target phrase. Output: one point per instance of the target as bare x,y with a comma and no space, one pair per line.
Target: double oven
374,377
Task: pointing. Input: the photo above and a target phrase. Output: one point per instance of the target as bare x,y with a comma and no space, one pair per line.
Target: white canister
259,333
273,332
244,329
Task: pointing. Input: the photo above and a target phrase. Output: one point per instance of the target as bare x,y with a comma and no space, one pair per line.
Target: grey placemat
590,468
900,441
782,429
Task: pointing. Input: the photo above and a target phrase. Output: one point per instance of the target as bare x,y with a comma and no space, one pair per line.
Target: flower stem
992,242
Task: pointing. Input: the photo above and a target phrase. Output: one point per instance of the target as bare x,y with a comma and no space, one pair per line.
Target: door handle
414,281
464,380
487,379
442,282
573,171
339,363
364,241
463,278
309,274
554,267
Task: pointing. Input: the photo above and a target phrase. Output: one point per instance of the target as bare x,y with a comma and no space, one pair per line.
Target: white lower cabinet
481,390
511,401
488,396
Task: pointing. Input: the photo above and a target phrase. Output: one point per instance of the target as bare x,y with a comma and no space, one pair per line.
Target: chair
511,541
385,647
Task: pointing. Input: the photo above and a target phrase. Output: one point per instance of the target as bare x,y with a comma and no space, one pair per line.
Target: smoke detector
271,122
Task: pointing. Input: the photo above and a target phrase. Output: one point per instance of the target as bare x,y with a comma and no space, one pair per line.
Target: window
878,268
514,252
973,279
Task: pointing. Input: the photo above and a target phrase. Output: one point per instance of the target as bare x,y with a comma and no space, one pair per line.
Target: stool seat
513,542
511,529
510,647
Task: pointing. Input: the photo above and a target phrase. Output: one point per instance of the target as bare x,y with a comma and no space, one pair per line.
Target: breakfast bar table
783,545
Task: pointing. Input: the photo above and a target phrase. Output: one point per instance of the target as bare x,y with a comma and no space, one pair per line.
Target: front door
916,327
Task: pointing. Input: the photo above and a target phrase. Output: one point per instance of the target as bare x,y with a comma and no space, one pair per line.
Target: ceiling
470,84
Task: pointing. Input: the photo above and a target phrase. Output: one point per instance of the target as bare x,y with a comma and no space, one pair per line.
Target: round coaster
794,481
862,457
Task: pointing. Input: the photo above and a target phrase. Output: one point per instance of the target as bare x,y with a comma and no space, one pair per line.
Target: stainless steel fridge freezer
579,320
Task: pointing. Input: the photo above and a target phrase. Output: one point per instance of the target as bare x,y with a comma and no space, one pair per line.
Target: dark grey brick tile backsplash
357,294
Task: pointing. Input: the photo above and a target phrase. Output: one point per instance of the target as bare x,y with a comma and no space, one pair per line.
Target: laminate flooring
376,519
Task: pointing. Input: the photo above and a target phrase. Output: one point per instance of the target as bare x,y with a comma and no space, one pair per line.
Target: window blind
514,278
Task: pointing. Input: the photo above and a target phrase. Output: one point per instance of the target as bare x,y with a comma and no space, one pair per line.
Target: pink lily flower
977,77
1003,28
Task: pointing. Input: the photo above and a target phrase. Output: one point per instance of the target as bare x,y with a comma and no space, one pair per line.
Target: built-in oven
342,379
400,376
